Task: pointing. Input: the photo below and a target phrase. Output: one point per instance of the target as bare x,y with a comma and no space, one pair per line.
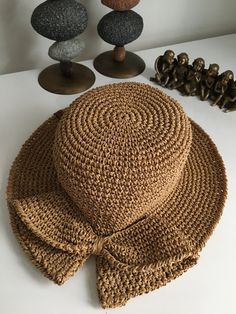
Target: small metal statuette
194,76
221,86
164,66
195,80
208,81
180,71
228,101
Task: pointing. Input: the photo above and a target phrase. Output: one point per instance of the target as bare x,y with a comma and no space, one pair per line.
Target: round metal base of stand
53,81
132,66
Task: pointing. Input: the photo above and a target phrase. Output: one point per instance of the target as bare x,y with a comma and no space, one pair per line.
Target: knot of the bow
98,245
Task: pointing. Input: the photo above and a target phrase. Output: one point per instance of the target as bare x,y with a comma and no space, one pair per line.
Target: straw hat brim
194,208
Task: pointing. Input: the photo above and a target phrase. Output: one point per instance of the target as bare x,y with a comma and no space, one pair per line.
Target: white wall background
166,22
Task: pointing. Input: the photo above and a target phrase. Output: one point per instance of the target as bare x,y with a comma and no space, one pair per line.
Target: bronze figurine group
195,80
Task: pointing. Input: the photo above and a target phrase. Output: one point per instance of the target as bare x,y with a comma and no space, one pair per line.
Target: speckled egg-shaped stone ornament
59,19
66,50
120,5
120,28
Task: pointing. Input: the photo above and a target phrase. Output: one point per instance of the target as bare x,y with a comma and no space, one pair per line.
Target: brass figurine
231,106
195,80
208,81
163,66
180,71
221,86
192,84
229,97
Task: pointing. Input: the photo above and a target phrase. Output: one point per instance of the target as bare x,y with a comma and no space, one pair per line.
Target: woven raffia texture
125,175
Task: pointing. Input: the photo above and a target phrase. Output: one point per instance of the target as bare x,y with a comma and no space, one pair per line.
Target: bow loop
65,230
152,242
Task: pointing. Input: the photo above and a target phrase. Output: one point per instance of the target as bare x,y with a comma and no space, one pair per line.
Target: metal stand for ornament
119,28
63,21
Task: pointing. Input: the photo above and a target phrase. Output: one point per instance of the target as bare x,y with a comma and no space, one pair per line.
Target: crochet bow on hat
122,174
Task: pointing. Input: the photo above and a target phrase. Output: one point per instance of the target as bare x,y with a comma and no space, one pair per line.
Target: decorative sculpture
119,28
208,81
191,86
195,80
63,21
164,66
230,106
180,71
229,98
221,86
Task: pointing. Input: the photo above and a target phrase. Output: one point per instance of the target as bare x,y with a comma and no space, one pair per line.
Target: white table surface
208,288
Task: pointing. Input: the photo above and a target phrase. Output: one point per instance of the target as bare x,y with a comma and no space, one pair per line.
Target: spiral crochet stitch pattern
125,175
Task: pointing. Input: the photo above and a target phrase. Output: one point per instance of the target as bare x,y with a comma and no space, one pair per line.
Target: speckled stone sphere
59,20
120,28
66,50
120,5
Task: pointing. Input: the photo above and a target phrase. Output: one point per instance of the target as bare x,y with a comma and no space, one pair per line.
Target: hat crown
119,151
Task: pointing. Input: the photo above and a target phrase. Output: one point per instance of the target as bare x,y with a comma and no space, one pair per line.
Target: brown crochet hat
123,174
